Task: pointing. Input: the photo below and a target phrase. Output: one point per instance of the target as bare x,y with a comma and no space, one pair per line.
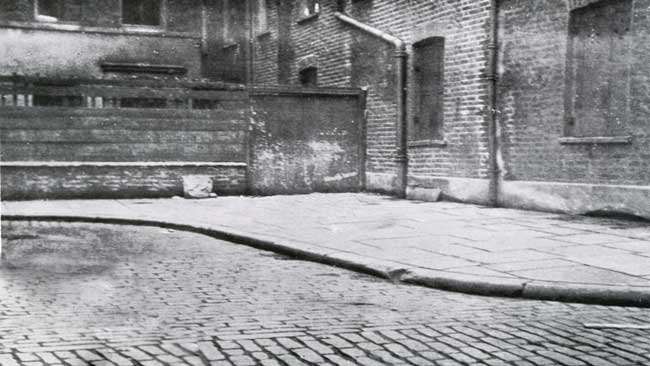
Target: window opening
58,101
309,77
58,10
309,7
141,12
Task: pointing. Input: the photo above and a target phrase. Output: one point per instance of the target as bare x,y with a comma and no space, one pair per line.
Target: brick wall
347,57
306,141
260,140
226,53
29,47
532,100
112,181
122,135
61,152
266,48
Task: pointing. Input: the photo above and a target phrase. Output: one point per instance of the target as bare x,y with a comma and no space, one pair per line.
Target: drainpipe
493,138
250,62
401,157
204,32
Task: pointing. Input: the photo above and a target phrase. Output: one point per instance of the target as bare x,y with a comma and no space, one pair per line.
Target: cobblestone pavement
79,294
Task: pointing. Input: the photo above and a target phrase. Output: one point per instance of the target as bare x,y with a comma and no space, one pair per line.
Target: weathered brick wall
32,51
111,181
227,53
320,41
264,140
345,56
306,141
533,53
59,152
181,15
266,48
29,47
122,135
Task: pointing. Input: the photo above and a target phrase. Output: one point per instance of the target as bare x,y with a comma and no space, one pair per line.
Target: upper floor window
58,10
309,7
142,12
598,67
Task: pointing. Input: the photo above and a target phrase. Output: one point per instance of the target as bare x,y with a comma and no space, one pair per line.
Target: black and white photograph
325,182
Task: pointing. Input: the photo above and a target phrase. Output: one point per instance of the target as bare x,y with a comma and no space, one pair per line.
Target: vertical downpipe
401,153
204,33
363,136
250,62
250,80
493,141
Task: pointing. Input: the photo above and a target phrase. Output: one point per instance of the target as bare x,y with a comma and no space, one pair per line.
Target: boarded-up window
428,67
598,79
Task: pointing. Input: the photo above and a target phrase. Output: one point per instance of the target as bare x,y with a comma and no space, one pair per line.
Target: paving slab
448,245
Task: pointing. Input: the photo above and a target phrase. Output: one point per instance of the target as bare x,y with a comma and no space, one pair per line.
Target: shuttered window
599,91
428,70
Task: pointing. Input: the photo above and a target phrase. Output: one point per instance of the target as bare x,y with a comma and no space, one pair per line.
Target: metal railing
22,91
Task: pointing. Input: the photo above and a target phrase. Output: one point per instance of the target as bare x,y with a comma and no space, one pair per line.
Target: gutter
493,133
401,157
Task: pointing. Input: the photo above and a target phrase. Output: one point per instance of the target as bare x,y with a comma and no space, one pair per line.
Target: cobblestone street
80,294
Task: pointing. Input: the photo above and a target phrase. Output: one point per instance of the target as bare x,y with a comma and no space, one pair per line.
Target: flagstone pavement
453,246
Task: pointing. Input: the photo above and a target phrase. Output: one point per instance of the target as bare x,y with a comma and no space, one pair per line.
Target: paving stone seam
469,284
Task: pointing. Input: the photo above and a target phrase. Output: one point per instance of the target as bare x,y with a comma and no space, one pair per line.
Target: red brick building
540,104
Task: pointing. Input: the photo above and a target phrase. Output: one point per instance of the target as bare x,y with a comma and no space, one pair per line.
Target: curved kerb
475,285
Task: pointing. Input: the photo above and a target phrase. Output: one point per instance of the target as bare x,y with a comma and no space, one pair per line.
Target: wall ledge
427,143
77,28
307,18
230,45
130,67
263,34
595,140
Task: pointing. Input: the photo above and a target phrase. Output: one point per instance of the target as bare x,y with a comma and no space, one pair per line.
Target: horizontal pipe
401,153
398,43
